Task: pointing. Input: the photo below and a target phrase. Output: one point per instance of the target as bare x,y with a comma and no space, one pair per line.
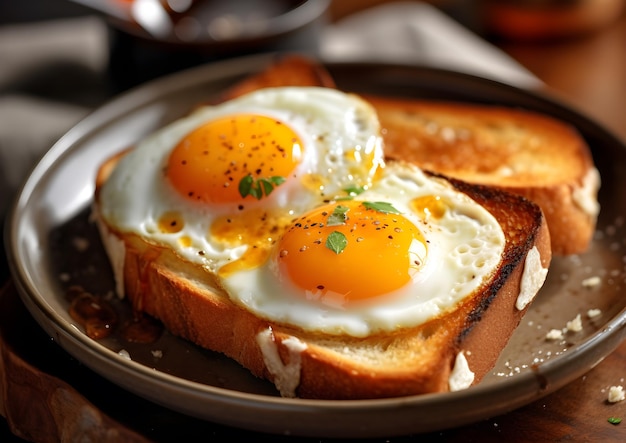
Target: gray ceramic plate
52,245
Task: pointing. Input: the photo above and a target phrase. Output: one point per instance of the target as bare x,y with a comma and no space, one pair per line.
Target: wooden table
588,72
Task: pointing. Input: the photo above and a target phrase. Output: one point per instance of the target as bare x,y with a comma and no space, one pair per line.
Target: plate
52,246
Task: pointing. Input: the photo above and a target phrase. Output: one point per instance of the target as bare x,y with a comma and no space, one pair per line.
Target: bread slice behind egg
530,154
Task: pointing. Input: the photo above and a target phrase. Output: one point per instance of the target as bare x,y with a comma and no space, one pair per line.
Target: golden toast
530,154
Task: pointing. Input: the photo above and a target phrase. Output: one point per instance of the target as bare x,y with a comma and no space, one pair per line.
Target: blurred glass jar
547,19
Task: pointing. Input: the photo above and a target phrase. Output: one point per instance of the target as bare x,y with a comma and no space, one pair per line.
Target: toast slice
285,70
527,153
458,347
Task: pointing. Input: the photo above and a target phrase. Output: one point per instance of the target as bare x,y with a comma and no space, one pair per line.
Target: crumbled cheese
585,196
286,375
592,313
554,334
575,325
124,354
591,282
81,244
157,353
461,376
533,277
616,393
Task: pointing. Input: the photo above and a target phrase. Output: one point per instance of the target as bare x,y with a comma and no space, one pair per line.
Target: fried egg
402,252
284,197
220,185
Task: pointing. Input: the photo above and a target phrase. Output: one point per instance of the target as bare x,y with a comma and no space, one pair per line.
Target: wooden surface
48,396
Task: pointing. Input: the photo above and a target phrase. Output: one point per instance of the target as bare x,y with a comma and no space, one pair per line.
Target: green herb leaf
614,420
257,188
354,190
277,180
384,207
245,185
338,217
336,242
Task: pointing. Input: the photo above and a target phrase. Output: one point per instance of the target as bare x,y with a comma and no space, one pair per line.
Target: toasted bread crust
290,70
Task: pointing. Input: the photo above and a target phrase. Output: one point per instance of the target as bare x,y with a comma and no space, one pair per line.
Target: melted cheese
286,375
461,376
533,277
585,196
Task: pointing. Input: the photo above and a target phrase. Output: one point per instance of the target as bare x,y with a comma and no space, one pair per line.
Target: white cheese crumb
585,195
157,353
592,313
591,282
124,354
286,375
80,244
533,278
575,325
554,334
616,393
461,376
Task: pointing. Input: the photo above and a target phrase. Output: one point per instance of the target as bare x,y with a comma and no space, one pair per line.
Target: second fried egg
405,251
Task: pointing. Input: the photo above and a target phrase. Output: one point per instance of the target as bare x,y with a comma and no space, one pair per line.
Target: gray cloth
51,75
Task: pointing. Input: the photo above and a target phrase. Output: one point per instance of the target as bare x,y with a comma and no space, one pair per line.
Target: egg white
335,128
465,246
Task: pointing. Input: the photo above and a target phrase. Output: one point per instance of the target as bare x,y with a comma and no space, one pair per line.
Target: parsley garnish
336,242
354,190
384,207
259,187
338,217
614,420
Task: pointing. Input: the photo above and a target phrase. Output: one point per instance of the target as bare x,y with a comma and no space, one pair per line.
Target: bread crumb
616,393
591,282
81,244
554,334
592,313
575,325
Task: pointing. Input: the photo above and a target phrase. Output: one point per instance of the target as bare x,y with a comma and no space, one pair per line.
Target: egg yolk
211,163
350,251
